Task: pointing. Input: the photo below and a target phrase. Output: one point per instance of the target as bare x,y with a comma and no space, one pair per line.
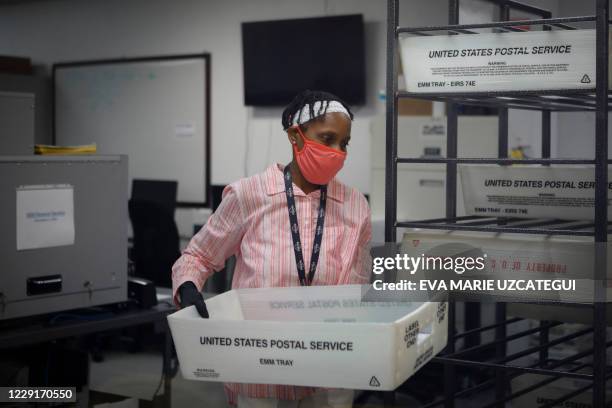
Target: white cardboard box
310,336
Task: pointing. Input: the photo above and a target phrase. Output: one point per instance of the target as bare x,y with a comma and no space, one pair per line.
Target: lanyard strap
295,230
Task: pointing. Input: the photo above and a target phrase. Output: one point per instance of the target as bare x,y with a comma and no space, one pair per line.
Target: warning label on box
529,191
205,373
499,62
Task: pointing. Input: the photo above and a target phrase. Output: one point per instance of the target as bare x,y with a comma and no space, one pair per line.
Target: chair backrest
162,192
156,238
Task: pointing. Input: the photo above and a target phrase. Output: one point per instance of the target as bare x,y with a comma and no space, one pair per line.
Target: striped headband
303,115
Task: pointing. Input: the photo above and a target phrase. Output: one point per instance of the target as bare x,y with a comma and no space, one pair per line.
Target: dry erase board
155,110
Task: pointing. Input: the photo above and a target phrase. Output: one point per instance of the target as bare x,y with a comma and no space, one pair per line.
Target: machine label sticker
517,61
45,216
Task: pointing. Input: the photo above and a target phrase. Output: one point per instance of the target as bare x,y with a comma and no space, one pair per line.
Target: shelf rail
596,99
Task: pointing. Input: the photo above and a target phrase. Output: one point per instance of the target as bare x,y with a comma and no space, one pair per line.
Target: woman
288,226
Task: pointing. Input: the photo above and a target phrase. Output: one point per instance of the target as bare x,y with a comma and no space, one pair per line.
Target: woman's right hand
189,295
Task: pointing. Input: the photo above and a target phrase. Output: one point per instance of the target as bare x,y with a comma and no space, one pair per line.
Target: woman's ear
292,135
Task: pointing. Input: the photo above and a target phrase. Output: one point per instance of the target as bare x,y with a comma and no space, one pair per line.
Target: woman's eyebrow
328,132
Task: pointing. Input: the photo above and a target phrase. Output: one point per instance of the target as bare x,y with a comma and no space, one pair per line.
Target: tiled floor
137,376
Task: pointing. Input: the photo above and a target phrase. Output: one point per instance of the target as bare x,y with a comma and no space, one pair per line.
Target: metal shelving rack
595,100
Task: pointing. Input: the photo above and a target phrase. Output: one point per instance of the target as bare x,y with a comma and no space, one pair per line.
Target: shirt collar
275,184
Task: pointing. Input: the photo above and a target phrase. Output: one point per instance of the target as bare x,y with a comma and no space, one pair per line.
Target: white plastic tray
518,61
311,336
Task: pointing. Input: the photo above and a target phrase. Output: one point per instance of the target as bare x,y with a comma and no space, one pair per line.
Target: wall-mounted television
284,57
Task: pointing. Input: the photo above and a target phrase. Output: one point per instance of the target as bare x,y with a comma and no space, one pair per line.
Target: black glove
189,295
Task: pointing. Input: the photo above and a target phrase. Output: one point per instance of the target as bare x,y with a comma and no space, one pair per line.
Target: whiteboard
155,110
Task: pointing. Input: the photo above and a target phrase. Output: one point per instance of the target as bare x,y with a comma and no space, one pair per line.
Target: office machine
63,233
142,292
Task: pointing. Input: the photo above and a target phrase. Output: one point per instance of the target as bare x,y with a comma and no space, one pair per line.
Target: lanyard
295,230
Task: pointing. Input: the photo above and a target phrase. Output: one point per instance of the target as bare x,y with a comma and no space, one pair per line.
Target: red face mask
317,162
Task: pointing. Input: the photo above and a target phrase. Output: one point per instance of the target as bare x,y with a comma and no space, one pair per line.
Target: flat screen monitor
284,57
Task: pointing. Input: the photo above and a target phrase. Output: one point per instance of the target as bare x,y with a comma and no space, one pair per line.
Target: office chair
161,192
156,239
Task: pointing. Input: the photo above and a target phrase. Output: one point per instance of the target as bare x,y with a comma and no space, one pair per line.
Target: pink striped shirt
252,223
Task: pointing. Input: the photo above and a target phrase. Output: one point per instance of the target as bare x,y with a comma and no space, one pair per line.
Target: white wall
63,30
577,129
573,133
524,127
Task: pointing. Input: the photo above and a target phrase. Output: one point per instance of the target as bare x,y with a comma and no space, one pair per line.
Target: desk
40,332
